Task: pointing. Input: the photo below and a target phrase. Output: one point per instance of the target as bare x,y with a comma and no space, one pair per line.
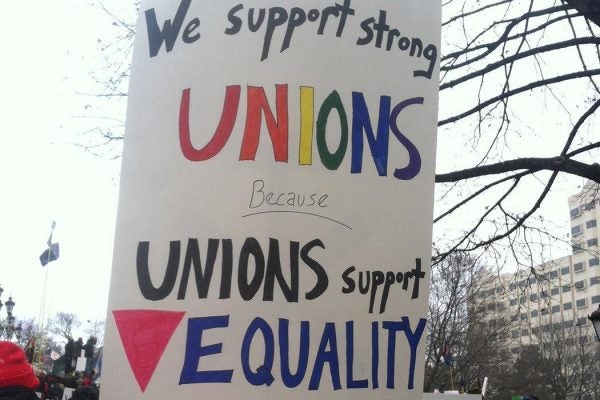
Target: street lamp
8,328
595,318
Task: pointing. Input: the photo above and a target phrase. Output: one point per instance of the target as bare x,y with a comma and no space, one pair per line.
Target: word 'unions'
280,22
256,268
354,127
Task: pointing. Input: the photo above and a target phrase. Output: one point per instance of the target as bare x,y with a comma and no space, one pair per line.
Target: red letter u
216,144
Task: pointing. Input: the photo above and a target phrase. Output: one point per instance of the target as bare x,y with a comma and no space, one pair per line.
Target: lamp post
595,318
7,327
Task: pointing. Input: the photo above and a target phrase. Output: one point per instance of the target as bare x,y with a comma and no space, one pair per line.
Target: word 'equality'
261,342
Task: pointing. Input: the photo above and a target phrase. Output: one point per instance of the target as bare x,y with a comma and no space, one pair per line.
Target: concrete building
556,296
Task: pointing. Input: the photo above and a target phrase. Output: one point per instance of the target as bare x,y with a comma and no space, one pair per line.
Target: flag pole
41,314
43,303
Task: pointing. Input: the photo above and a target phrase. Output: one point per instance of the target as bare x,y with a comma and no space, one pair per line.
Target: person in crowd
69,352
77,347
55,392
88,352
86,393
17,379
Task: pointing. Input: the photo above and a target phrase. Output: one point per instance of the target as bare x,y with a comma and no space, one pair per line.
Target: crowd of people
18,380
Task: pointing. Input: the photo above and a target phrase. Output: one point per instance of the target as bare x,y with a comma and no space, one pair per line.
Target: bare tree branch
533,85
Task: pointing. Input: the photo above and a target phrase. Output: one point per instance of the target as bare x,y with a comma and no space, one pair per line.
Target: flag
50,254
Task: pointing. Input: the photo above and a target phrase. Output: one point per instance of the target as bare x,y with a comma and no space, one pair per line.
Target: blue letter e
194,350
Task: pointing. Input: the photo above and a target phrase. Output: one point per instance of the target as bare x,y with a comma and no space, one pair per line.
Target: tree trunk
589,8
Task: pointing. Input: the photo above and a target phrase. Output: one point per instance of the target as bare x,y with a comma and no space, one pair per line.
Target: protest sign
274,226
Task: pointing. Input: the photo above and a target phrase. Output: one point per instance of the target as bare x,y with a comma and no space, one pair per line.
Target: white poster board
274,226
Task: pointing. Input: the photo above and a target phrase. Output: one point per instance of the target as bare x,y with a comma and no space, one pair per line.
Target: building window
514,318
595,299
515,334
564,271
580,285
592,242
582,321
522,300
568,324
513,302
594,261
525,332
566,288
575,213
499,289
590,224
577,248
578,267
568,306
555,309
554,274
532,280
576,230
533,297
512,287
589,205
522,284
534,313
545,275
524,317
581,303
556,327
595,280
535,330
544,311
570,341
554,291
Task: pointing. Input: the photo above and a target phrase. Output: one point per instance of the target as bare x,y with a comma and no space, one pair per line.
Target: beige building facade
555,296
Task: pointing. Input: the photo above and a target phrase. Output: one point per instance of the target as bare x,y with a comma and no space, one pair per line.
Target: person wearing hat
17,379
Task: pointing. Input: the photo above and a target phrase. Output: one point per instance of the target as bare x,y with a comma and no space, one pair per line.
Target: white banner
274,227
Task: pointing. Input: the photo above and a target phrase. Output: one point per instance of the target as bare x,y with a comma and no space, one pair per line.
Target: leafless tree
63,324
519,92
95,328
107,98
456,321
563,358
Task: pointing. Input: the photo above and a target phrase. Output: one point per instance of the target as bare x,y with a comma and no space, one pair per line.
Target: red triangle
145,335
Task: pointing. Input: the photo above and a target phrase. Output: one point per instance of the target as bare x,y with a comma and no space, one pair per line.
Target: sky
49,50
